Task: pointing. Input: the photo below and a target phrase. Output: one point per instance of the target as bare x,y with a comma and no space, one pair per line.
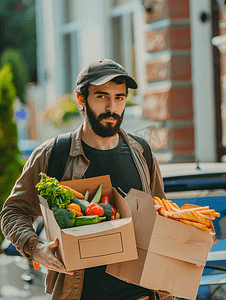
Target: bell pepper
105,199
75,208
94,209
86,220
114,210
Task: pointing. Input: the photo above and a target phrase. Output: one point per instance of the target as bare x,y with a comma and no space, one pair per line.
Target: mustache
108,115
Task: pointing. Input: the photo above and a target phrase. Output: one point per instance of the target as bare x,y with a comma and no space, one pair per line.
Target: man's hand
45,255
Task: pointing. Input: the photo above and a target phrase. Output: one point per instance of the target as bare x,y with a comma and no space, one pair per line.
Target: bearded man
98,147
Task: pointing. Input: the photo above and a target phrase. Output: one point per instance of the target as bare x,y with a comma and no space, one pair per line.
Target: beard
107,130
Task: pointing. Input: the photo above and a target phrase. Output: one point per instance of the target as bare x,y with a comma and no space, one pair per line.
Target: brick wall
168,99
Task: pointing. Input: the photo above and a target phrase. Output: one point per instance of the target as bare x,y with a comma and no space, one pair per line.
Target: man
98,147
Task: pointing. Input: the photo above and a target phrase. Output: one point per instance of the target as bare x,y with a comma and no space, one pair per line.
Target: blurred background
176,50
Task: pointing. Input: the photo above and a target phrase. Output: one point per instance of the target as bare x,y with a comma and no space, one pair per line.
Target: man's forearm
30,245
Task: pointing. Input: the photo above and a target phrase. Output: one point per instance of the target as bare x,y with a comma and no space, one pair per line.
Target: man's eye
101,96
120,98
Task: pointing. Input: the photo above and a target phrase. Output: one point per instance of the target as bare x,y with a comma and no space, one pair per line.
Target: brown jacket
21,208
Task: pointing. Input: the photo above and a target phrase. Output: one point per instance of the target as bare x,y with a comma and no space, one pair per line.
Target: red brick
182,139
176,68
174,38
158,70
180,38
168,104
157,40
172,9
159,139
179,9
159,11
181,68
181,104
155,104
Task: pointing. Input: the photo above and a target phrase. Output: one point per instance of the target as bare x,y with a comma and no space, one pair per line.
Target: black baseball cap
100,72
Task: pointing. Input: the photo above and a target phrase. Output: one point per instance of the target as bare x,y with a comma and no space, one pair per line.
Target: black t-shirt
118,163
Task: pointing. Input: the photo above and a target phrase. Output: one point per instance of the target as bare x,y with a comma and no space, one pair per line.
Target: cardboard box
95,244
171,254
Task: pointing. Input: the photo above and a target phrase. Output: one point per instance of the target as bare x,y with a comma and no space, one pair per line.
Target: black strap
59,155
61,148
147,151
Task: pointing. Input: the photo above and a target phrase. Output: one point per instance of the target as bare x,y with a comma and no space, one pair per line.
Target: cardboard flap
91,184
143,214
43,202
121,204
172,239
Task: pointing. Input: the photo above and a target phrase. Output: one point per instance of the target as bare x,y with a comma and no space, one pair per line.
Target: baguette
192,216
195,224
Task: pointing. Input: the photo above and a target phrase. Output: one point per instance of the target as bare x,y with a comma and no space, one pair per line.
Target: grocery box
171,254
94,244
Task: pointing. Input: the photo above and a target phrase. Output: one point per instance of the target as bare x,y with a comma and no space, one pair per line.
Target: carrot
75,193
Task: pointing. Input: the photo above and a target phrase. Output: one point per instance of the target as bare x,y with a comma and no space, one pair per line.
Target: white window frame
63,29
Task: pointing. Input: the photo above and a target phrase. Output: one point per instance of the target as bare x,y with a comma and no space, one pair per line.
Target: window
68,45
118,41
123,34
70,61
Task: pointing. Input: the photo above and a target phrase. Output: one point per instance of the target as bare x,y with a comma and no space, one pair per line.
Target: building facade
165,44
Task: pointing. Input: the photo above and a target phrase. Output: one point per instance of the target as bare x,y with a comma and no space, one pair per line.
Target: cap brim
131,83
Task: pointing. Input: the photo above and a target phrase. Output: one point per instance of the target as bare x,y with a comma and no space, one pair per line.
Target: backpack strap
147,151
59,155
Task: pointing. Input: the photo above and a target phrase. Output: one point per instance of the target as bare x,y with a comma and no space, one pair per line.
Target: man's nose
111,106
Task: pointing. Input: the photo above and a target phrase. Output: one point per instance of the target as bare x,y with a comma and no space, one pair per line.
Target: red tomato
105,199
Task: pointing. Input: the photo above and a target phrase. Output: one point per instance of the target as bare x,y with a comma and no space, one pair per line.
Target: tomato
105,199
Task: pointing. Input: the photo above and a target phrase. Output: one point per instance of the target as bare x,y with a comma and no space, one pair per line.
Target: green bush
10,164
19,68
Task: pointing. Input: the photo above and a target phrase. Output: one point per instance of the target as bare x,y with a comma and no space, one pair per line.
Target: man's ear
80,99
